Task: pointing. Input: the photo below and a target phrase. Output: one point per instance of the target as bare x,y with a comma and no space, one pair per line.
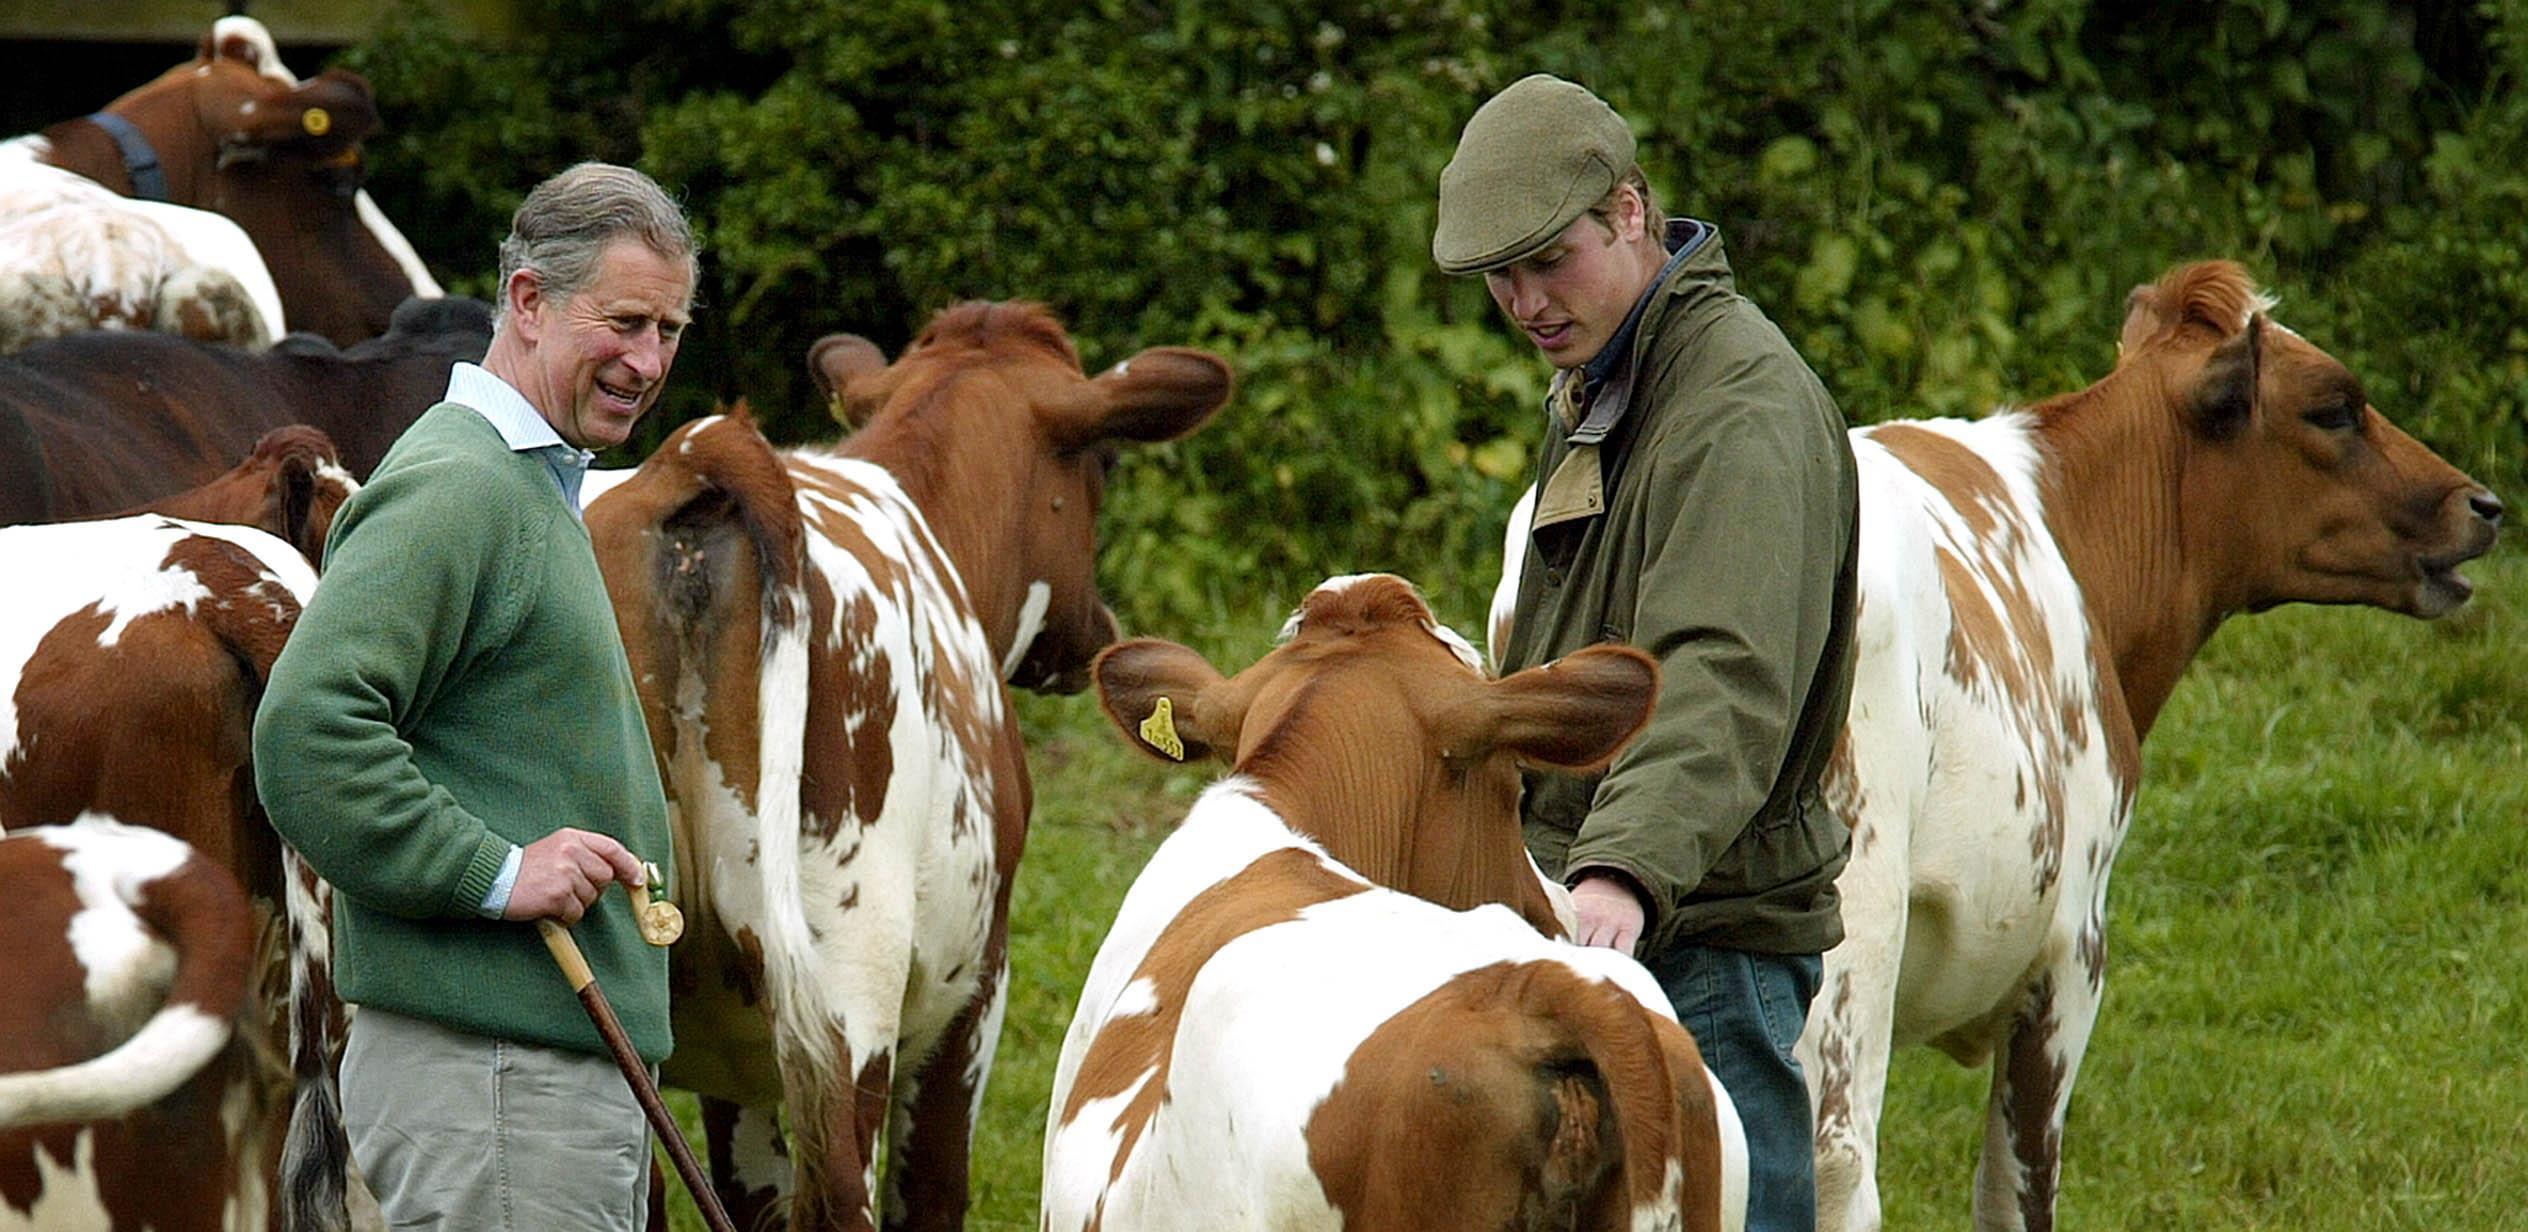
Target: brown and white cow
290,488
1320,1006
235,131
132,655
2032,586
821,638
128,1100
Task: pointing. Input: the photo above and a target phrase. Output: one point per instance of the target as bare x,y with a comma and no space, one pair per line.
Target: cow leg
837,1131
750,1163
1851,1025
2016,1181
931,1134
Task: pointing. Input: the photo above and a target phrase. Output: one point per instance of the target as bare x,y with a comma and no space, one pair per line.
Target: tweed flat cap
1531,161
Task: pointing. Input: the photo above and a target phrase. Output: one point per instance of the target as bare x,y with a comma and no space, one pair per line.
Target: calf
126,1100
1307,1016
2032,586
132,655
820,638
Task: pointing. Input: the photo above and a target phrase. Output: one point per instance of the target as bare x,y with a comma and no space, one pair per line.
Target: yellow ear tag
1160,730
316,122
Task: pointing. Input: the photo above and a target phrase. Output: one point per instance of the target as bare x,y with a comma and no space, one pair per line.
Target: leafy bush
1943,206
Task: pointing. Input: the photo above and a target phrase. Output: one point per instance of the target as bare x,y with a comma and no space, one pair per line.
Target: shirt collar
476,388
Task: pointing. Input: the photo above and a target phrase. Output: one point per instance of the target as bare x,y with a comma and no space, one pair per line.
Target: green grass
2316,1014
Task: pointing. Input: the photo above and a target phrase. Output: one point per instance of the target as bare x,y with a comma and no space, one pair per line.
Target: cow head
1373,729
993,394
2293,487
290,487
236,132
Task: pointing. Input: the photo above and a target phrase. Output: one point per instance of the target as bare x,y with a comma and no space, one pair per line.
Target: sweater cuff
481,873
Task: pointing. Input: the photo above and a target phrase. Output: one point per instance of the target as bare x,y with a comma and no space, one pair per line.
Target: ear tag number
316,121
1160,730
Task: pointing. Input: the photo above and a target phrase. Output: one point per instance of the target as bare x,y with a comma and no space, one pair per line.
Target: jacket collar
1605,384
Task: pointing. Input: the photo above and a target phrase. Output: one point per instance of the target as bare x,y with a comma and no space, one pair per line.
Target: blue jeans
1746,1011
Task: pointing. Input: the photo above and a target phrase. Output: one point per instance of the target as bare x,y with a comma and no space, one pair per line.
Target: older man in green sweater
452,739
1696,498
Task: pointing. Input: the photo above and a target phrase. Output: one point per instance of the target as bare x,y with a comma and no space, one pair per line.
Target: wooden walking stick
660,924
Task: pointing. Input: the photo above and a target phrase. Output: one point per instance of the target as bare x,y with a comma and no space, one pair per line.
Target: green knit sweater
457,685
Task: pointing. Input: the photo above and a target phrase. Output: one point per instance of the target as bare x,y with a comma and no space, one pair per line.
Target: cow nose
2486,506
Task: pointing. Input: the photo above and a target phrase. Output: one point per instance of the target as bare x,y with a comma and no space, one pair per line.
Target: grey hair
564,225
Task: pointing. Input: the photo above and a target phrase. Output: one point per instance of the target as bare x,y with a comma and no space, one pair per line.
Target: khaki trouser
457,1132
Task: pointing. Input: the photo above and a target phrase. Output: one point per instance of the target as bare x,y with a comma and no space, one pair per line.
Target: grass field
2317,1000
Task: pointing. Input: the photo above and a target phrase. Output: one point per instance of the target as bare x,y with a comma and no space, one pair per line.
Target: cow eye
2335,417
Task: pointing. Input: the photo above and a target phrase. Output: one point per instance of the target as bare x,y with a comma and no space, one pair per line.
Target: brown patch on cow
1132,1052
2032,1081
1549,1101
1969,483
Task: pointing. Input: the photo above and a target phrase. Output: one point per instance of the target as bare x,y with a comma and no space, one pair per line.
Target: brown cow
1306,1016
132,655
113,420
127,1098
821,638
234,131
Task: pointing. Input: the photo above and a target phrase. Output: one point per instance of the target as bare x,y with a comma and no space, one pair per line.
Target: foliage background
2315,1012
1943,204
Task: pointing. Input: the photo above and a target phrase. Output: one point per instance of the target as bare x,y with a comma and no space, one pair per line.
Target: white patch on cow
1457,645
1266,1030
601,480
700,426
68,1196
1505,595
1733,1158
263,55
246,108
1031,621
396,246
756,1153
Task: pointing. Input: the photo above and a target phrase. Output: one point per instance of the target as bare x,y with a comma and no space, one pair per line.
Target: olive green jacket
1712,524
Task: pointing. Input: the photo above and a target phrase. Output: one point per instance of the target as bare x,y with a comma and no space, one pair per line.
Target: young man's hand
1610,913
561,874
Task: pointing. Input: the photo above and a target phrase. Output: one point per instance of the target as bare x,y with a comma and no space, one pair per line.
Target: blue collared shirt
527,431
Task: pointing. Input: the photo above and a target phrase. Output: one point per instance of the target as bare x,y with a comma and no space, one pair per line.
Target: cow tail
197,907
718,502
1608,1064
316,1150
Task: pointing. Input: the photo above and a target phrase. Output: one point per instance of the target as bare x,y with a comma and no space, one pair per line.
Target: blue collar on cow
483,392
1614,360
140,159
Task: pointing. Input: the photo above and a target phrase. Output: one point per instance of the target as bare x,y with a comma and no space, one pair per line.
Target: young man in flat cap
1696,497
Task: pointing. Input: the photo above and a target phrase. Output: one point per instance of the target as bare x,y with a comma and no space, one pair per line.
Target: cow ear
2143,320
844,367
2223,399
1158,395
1574,713
1167,700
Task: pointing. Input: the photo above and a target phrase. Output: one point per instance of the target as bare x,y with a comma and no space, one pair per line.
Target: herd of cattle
1339,978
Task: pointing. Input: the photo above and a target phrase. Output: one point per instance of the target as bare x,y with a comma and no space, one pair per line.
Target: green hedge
1942,204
